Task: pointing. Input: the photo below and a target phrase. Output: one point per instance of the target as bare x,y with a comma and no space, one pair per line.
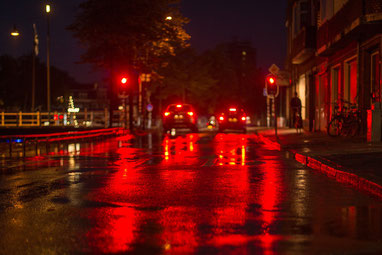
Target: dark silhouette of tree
129,33
16,83
130,36
239,81
223,76
186,79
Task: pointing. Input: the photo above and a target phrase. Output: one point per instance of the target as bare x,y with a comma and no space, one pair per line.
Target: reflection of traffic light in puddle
181,148
230,149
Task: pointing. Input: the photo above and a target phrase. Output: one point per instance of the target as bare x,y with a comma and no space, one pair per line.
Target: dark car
232,118
179,116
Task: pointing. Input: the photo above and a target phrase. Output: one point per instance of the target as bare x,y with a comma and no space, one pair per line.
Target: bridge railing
79,119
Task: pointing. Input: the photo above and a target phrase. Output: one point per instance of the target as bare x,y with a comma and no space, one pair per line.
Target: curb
332,172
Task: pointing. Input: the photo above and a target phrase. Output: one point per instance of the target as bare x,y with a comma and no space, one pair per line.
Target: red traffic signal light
124,80
271,86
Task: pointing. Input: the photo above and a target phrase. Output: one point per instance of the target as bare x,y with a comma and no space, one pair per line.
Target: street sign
283,78
149,107
274,69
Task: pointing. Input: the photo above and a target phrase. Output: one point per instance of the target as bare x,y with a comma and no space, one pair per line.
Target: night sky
212,22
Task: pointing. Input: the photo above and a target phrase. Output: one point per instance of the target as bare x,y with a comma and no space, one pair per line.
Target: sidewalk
348,160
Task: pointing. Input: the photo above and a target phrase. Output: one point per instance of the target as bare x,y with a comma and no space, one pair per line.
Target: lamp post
34,54
47,9
16,33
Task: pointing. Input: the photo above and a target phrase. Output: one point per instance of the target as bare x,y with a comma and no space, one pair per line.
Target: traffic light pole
131,106
275,111
272,90
125,112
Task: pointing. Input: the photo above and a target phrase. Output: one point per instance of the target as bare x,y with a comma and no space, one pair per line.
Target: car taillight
190,113
232,109
166,114
221,118
243,118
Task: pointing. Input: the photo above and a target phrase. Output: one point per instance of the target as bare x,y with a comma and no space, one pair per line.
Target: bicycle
345,121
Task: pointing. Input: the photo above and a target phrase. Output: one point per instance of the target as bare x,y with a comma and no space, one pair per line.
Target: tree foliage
186,79
133,33
16,83
213,79
238,80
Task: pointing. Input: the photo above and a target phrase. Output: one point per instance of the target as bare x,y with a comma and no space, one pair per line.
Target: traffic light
124,83
124,80
271,86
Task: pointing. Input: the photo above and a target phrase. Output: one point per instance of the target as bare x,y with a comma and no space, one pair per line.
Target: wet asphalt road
192,193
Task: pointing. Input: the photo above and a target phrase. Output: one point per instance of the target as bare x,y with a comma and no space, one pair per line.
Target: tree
16,83
186,79
129,33
238,80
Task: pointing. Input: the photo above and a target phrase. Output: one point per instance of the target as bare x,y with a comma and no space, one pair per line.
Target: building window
301,92
323,10
350,93
375,77
328,8
336,89
321,101
336,84
300,16
304,17
338,4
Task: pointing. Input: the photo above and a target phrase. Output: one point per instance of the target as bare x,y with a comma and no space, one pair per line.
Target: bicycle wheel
335,127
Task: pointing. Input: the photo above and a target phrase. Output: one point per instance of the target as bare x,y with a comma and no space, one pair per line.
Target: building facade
334,49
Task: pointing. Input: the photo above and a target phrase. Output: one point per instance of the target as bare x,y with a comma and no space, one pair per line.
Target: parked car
232,118
179,116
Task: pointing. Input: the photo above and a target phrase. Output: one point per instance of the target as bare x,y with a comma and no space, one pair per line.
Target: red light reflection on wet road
195,193
270,199
181,149
116,223
171,197
230,149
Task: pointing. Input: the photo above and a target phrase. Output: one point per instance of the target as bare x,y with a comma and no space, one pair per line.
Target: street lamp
15,32
48,9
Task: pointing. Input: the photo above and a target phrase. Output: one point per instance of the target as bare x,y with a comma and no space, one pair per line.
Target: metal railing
37,119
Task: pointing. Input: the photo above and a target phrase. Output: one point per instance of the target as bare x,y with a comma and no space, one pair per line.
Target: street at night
191,127
207,192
